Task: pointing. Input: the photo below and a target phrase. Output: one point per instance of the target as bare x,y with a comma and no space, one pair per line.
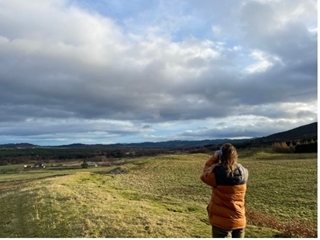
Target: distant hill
165,144
19,145
183,144
300,133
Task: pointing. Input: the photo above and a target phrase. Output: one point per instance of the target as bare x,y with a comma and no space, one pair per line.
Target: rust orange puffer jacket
226,209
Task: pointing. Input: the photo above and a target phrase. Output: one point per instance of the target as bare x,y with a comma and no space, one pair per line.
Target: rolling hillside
304,132
300,133
156,197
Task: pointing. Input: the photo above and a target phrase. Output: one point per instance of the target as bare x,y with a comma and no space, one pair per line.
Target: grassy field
161,196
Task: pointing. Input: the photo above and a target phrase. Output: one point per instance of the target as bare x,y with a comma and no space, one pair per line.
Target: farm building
39,165
105,164
92,164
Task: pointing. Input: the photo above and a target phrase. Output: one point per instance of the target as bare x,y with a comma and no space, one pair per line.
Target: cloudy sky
118,71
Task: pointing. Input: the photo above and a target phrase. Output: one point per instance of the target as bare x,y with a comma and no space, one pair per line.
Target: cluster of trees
18,156
283,147
307,146
84,164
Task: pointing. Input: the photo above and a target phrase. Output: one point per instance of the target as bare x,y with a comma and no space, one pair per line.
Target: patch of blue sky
116,10
175,18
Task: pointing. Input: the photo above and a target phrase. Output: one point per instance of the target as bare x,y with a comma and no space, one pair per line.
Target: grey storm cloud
60,62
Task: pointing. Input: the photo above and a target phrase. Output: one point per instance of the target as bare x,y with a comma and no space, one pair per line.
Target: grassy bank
157,197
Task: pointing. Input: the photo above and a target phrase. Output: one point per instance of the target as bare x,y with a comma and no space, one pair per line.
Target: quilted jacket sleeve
207,174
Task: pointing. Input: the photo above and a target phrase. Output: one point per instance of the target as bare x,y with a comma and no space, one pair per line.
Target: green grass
161,196
284,188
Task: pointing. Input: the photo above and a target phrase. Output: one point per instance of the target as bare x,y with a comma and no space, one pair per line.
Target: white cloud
65,70
263,62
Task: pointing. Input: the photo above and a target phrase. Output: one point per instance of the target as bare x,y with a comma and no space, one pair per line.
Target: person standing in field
228,180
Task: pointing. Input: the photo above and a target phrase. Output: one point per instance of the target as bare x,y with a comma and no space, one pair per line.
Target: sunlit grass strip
106,212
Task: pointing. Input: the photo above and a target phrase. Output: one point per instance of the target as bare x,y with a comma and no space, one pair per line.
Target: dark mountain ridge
305,132
300,133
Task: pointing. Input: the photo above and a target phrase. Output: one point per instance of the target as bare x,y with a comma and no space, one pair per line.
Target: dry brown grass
293,228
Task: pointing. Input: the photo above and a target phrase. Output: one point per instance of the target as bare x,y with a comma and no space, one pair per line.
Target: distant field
156,197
